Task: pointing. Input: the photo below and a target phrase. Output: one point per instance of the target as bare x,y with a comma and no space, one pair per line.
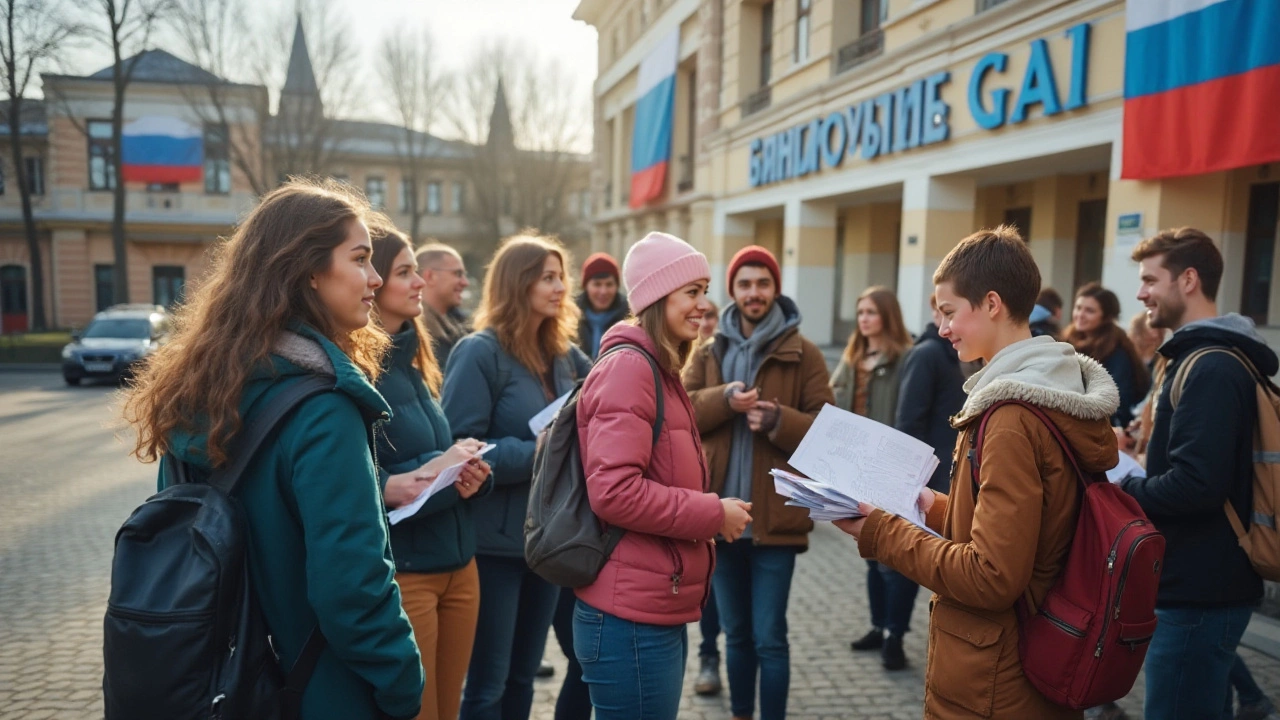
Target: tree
33,34
415,86
526,119
129,26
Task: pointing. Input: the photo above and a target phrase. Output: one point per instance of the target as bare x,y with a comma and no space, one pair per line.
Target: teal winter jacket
441,536
489,395
318,547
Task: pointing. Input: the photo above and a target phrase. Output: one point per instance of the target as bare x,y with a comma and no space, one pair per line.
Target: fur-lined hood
1046,373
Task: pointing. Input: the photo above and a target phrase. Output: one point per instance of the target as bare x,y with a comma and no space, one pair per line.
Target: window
217,160
406,193
766,43
104,285
872,14
1259,251
375,188
102,164
1020,218
13,291
457,199
167,284
35,174
802,30
433,198
586,203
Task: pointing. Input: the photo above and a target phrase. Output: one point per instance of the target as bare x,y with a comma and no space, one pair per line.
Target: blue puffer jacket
441,536
490,396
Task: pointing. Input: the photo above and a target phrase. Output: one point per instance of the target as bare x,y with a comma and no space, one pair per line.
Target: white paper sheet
864,459
1126,467
539,422
447,477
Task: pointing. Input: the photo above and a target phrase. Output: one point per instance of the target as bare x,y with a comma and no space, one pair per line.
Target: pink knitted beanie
659,265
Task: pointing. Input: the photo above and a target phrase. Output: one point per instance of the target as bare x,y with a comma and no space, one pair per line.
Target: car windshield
119,328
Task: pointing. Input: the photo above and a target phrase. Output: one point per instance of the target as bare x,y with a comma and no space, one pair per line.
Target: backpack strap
657,382
975,443
290,696
249,440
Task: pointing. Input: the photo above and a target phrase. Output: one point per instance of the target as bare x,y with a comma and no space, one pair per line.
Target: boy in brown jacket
1011,539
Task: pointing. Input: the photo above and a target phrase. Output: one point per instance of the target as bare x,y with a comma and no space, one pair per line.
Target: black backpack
563,540
184,637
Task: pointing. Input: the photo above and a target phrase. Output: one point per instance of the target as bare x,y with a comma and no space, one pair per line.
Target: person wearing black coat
931,390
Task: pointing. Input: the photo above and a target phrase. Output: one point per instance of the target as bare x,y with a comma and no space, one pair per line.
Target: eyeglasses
458,273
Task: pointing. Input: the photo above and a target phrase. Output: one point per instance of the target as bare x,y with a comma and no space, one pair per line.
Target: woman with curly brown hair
521,358
1094,333
289,296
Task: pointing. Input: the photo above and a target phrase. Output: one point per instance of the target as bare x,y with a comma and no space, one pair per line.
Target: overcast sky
546,26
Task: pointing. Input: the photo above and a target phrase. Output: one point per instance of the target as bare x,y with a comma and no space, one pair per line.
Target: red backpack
1086,642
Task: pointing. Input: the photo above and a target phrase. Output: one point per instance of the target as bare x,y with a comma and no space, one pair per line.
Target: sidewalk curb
1263,635
30,367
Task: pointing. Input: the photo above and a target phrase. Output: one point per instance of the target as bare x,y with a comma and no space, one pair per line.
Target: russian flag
1201,86
162,149
651,138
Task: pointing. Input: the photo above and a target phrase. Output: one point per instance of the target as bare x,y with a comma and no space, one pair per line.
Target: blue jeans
752,586
892,598
1189,662
1242,682
574,701
635,671
516,607
710,627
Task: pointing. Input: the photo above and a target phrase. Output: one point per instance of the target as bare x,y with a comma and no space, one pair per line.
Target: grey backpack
564,542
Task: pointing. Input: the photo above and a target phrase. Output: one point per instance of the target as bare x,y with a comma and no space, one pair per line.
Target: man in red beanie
601,304
756,389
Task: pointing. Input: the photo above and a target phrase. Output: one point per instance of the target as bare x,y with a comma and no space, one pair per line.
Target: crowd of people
440,616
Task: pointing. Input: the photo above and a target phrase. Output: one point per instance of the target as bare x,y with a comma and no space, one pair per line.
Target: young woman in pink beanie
629,625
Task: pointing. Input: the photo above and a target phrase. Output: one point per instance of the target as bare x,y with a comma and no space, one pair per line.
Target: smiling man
446,276
756,388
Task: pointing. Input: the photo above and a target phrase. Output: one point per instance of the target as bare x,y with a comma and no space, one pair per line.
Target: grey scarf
742,359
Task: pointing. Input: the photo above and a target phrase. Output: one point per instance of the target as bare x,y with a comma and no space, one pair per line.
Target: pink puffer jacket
660,573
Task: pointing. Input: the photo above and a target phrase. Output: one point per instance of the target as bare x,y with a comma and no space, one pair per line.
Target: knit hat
600,264
659,265
754,254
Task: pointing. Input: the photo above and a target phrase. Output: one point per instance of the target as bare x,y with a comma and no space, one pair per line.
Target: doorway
13,299
1091,231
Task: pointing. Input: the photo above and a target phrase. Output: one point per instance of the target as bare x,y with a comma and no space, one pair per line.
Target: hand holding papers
863,460
447,477
1126,467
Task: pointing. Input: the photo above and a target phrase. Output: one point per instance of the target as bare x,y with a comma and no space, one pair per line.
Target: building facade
175,213
861,139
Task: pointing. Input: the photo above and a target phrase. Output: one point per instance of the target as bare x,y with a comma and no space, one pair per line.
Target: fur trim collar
1044,373
303,352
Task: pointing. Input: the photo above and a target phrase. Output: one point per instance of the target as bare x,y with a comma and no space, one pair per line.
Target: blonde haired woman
521,358
866,383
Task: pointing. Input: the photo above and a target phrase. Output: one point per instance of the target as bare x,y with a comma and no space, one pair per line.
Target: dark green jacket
882,390
441,536
318,546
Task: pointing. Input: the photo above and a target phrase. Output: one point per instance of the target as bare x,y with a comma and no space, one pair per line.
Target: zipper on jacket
147,616
676,561
373,437
1115,614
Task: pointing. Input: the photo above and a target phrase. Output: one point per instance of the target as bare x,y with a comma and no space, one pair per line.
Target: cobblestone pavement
67,483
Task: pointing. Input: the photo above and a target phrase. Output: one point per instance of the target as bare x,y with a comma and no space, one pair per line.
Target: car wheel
71,380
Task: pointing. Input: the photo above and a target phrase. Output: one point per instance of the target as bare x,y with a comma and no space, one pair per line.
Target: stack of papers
539,422
848,456
447,477
823,502
1125,467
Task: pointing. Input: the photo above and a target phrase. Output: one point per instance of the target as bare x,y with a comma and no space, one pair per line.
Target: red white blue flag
162,149
1201,86
651,139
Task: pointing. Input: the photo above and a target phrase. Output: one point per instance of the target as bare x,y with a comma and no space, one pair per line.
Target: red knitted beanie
754,254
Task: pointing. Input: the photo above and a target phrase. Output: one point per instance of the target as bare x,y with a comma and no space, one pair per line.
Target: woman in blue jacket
289,296
433,549
521,358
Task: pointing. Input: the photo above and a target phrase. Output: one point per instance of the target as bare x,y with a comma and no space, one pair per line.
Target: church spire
501,134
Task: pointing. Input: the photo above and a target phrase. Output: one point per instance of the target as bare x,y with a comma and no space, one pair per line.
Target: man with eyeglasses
441,267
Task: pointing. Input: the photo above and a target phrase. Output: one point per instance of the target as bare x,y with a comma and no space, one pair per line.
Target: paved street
67,483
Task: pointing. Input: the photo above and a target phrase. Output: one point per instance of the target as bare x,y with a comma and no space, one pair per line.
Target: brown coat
1012,541
794,372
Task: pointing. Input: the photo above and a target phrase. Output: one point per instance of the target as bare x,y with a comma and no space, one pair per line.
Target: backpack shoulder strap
1184,369
254,433
657,382
295,683
975,442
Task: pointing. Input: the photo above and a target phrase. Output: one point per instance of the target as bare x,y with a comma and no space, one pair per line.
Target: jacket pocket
964,658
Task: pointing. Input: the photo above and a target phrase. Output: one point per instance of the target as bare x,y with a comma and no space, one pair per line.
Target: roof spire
501,134
301,78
